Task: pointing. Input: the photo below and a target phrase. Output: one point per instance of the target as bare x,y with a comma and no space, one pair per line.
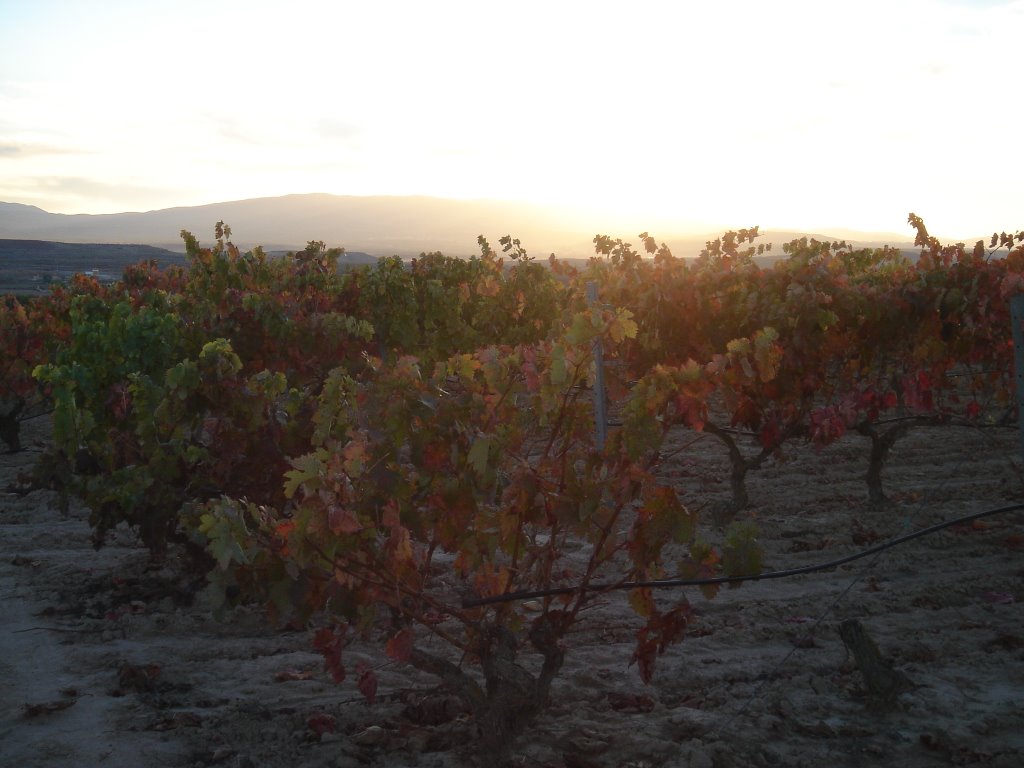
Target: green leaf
307,470
559,372
826,319
742,554
219,529
218,359
464,366
479,454
581,331
667,516
333,406
355,454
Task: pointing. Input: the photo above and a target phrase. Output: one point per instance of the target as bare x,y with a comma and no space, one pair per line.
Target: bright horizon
673,116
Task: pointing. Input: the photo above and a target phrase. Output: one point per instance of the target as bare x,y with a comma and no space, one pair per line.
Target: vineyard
464,483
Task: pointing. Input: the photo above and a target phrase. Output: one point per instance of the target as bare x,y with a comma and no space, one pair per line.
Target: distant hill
378,225
382,226
347,259
30,265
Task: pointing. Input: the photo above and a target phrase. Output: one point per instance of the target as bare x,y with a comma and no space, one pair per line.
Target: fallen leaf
1004,642
371,737
35,710
691,701
289,675
862,536
633,702
583,742
578,761
178,720
999,598
804,641
433,709
140,678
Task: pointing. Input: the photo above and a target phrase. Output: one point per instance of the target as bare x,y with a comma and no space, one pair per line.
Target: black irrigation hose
667,583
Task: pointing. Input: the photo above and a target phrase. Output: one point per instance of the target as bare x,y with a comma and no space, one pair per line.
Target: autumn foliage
392,451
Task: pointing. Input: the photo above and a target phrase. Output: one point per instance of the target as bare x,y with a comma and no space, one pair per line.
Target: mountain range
377,225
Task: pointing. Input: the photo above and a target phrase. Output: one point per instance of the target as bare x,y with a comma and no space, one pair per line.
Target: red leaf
770,435
283,530
747,414
330,642
692,411
644,656
342,521
391,518
367,683
321,723
399,647
531,376
435,457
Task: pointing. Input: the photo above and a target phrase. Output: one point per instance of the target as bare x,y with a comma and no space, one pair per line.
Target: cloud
26,149
234,129
333,128
75,194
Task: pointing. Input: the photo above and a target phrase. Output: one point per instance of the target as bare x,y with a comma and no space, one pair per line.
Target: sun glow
792,114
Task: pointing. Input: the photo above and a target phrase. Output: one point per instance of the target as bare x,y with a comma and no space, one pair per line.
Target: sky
690,116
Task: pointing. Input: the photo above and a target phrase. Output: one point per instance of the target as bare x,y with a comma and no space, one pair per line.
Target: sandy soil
107,660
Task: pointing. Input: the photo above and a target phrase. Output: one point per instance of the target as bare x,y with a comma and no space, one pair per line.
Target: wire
670,583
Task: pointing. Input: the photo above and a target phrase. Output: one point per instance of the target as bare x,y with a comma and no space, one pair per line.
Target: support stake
600,398
1017,318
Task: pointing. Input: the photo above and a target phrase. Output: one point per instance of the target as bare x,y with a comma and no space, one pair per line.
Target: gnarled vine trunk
511,696
741,465
882,442
10,424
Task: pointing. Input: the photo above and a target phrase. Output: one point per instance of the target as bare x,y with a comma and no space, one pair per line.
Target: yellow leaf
623,327
642,602
738,346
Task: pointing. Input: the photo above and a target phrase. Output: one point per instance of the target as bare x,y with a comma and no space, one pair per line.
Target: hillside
382,226
28,266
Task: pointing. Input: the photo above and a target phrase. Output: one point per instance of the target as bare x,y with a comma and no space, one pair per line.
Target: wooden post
600,399
1017,318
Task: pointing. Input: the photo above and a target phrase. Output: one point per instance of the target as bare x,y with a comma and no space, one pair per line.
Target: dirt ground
107,660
